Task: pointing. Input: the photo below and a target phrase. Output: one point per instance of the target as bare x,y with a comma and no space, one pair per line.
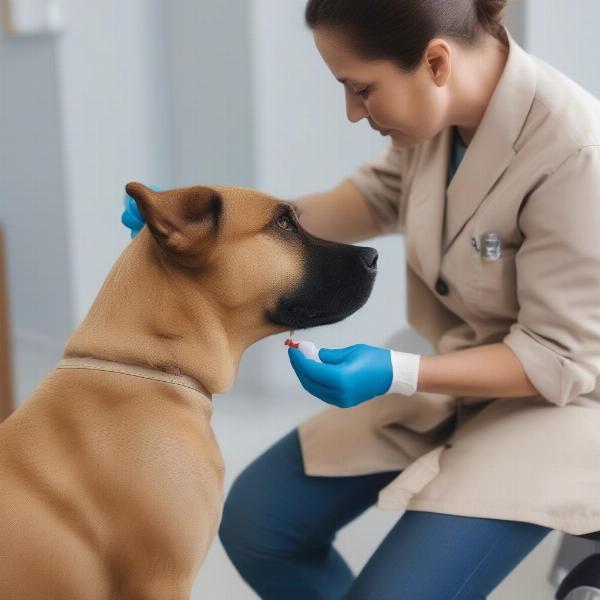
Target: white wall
81,113
565,34
117,119
210,80
304,142
32,189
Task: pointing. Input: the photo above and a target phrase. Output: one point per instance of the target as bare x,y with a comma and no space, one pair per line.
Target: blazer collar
486,158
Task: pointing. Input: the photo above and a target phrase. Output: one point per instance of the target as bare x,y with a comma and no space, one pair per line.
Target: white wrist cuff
405,367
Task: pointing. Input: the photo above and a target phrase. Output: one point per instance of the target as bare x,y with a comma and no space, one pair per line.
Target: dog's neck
148,314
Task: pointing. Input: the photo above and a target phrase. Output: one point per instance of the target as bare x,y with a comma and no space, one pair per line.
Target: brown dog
112,480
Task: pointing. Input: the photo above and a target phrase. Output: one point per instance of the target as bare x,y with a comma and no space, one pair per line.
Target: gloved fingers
335,356
132,208
322,393
328,375
127,200
130,221
298,362
317,389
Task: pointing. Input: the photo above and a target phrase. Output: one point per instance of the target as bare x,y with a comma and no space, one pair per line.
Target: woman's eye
364,93
285,222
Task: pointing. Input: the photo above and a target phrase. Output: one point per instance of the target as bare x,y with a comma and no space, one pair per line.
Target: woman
493,441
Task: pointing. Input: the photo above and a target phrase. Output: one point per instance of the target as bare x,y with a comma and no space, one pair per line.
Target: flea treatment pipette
307,348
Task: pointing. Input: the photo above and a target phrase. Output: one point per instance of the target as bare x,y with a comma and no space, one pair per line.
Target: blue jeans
279,525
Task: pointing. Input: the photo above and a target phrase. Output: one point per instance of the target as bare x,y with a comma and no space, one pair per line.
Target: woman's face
410,107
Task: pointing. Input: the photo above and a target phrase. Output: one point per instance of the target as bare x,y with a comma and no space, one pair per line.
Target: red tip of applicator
292,344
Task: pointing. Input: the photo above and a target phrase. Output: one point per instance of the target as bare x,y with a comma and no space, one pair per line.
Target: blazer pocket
495,293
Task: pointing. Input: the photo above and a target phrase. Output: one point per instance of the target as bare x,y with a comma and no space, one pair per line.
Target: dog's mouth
337,281
304,313
302,317
310,307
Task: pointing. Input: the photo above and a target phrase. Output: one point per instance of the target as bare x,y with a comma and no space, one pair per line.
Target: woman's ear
437,57
183,220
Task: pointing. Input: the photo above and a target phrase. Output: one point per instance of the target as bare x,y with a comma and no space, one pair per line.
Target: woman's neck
476,76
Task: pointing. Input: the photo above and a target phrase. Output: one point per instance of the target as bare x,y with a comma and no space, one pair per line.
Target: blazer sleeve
380,182
557,334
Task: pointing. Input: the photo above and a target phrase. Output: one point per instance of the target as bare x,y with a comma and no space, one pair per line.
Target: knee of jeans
250,525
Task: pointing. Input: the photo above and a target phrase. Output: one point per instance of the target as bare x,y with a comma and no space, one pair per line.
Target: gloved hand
349,376
131,216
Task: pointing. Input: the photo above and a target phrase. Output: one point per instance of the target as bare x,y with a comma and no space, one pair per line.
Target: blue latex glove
349,376
131,216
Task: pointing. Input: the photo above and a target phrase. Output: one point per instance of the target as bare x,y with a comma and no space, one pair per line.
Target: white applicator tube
307,348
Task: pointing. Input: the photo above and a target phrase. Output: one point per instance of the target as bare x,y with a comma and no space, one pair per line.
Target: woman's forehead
346,65
335,45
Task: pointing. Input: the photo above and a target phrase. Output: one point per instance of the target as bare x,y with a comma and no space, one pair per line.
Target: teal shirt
456,154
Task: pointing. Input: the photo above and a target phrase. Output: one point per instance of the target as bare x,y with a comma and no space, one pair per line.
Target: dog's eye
285,222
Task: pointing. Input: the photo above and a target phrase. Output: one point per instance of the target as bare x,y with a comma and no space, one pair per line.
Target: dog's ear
182,220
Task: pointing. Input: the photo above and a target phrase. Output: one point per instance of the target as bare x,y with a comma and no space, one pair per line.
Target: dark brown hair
400,30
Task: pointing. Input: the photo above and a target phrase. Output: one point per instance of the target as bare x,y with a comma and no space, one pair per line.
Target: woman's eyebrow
346,80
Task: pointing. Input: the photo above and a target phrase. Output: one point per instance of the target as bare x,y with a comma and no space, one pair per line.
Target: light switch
30,17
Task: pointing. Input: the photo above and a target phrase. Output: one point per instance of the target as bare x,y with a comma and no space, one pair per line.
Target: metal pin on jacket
491,248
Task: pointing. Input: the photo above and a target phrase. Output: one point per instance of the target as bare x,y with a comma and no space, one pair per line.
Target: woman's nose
355,108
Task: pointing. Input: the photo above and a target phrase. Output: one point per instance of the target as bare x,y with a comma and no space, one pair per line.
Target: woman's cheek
430,119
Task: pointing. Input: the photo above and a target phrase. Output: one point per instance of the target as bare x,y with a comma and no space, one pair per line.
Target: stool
583,580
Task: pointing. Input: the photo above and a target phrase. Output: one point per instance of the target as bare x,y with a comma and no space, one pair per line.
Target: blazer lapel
492,148
486,158
425,211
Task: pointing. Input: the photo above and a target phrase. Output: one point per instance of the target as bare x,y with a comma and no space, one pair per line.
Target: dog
112,480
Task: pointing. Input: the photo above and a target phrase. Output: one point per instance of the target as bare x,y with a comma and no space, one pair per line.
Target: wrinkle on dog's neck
142,317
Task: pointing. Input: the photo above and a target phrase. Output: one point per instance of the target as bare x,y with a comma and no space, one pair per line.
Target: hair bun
490,14
400,30
490,11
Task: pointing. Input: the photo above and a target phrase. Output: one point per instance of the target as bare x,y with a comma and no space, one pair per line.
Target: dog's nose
369,257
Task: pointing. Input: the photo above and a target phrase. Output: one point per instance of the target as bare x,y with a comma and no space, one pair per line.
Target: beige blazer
532,175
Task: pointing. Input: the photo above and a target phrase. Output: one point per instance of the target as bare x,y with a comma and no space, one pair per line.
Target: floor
245,424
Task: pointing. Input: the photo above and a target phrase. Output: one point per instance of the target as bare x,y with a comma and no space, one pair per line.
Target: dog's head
249,252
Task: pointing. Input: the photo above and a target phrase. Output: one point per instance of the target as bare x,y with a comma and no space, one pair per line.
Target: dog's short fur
111,479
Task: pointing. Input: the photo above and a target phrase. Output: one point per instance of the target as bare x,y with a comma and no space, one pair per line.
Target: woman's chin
398,138
402,140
